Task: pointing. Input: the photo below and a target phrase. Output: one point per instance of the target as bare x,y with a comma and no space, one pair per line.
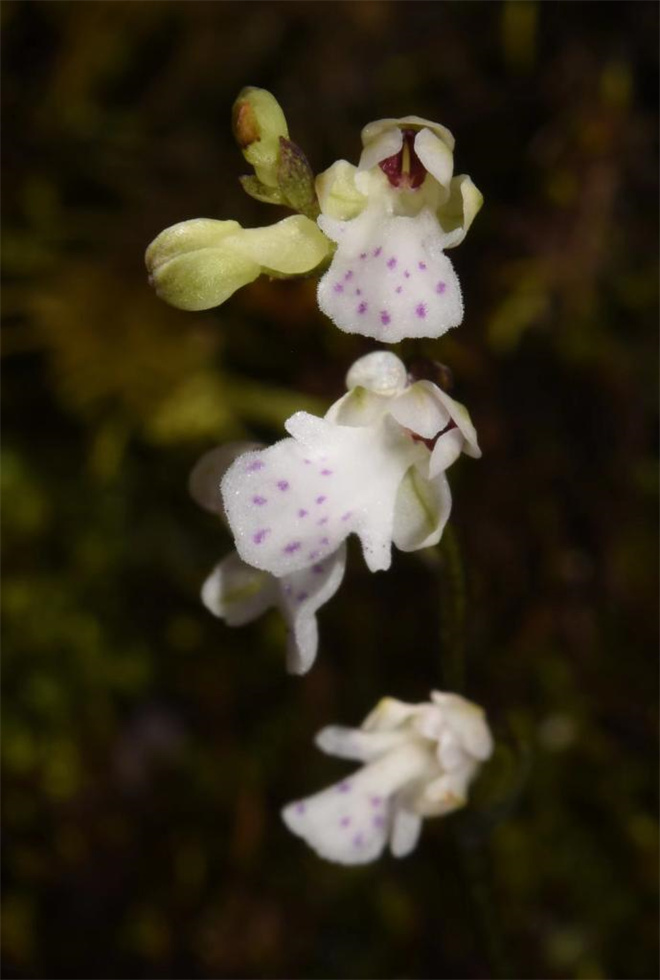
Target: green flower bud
258,122
198,264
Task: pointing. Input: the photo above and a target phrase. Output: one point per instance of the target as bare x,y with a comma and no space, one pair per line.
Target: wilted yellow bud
258,123
198,264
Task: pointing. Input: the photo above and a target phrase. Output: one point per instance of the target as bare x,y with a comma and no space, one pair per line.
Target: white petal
374,129
389,277
238,593
301,595
382,146
353,743
293,504
468,721
406,828
208,471
435,155
446,451
381,372
419,410
451,753
350,822
388,714
422,510
461,417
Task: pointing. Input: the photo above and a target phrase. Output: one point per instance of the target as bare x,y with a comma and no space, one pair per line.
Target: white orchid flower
419,762
239,594
374,466
392,217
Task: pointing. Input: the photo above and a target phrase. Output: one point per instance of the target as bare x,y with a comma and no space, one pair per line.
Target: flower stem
472,850
452,612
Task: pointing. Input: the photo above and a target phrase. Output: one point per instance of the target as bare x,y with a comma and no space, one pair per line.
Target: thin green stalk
473,853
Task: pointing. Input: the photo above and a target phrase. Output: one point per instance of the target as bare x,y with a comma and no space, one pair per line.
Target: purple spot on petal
391,263
324,520
325,541
321,499
376,800
338,288
420,310
259,501
421,265
349,275
291,547
378,821
407,274
362,308
377,251
313,555
260,535
440,287
300,807
363,255
302,596
345,822
282,484
385,317
358,840
307,461
345,516
358,292
303,513
256,465
318,569
344,787
326,472
398,289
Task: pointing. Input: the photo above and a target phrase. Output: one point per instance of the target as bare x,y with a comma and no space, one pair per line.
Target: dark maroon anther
414,173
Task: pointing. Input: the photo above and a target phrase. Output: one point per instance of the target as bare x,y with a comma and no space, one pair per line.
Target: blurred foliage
147,748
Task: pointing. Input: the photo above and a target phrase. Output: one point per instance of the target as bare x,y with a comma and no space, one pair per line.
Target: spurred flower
419,762
392,217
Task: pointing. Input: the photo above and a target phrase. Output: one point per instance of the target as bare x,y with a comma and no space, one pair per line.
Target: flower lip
404,169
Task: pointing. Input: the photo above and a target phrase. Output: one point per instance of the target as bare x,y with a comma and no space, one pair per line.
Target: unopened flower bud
258,122
197,264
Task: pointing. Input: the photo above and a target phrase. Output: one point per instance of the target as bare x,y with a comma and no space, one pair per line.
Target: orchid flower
392,217
419,762
374,466
238,593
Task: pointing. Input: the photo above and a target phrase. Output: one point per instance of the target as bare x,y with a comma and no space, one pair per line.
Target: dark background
147,747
